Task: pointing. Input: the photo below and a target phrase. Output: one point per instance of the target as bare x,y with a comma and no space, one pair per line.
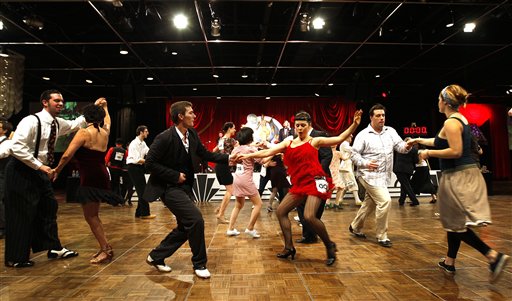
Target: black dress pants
405,188
190,227
136,172
30,213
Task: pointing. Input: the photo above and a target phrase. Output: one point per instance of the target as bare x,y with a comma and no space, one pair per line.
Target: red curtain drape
330,115
497,117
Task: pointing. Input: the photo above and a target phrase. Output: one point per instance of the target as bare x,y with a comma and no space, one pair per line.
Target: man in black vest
172,160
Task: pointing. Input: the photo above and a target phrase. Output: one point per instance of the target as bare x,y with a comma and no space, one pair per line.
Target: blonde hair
454,96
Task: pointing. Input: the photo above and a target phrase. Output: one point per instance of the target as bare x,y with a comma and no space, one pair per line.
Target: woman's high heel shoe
331,253
103,256
287,252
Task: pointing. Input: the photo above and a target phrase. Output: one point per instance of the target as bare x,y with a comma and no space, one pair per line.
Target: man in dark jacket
403,167
172,160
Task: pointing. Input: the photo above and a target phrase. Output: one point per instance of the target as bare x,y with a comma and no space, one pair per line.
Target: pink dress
243,183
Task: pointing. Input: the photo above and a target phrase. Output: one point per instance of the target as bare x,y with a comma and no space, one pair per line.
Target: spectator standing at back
115,160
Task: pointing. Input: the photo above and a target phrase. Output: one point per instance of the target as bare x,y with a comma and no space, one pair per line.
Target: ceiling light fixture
180,21
117,3
88,81
331,84
194,89
304,22
174,53
469,27
3,52
1,25
218,97
318,23
215,26
273,84
452,20
267,98
215,75
122,50
34,22
149,78
245,75
46,78
317,95
377,75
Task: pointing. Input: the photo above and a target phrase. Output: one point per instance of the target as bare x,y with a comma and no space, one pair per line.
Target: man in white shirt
373,154
5,151
137,152
31,207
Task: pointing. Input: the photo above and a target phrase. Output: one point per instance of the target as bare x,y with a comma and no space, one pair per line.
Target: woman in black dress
223,171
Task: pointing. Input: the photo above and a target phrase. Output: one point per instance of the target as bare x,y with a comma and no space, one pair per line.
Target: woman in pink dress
309,182
243,184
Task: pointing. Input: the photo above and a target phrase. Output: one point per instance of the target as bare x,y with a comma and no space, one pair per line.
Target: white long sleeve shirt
136,151
5,147
24,139
370,145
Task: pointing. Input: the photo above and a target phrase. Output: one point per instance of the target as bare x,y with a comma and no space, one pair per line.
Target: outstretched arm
279,148
77,142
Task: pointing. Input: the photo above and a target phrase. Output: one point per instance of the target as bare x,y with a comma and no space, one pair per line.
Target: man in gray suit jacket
173,158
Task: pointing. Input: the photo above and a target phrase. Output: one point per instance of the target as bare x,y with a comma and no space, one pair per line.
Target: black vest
117,157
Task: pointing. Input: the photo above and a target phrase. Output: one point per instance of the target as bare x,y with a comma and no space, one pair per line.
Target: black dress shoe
356,234
25,264
305,240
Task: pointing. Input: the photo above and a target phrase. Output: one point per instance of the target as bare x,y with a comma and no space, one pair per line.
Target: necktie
51,143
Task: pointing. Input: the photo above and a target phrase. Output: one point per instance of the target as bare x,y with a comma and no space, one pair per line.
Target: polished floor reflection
247,269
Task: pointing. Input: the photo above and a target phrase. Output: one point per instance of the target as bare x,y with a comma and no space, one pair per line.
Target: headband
451,102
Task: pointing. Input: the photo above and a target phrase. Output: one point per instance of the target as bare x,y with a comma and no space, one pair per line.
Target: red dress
306,173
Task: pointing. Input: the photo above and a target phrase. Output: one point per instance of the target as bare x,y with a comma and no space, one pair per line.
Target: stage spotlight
452,20
215,31
318,23
180,21
34,22
469,27
117,3
304,22
1,25
245,75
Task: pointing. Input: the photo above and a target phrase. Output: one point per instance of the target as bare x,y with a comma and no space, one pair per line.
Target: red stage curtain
497,117
330,115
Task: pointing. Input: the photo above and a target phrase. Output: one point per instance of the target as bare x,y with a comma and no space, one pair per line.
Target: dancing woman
88,147
462,191
309,181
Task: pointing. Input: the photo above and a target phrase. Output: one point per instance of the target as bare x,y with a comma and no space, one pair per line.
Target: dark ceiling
407,43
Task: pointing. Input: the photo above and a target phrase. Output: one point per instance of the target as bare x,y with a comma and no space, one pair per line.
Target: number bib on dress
321,184
239,169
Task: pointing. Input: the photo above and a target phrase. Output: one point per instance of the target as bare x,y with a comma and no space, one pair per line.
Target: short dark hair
93,113
177,108
244,136
6,126
303,116
140,129
119,141
377,106
228,125
46,95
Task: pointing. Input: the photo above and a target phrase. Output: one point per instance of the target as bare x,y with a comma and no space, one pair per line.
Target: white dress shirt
5,147
136,151
24,139
370,145
185,143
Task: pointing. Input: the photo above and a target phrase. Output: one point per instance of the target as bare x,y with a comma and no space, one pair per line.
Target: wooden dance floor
247,269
